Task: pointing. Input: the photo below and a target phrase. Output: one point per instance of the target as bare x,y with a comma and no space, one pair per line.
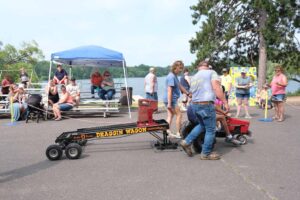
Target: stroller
35,108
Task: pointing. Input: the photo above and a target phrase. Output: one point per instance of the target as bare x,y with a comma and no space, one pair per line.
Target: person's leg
280,111
178,120
246,102
208,115
110,94
16,111
276,115
239,105
196,131
93,91
54,109
102,94
229,138
170,114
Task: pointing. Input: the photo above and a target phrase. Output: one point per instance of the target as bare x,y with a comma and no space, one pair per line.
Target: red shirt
96,79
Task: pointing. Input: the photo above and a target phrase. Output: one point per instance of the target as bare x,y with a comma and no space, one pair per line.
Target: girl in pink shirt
278,85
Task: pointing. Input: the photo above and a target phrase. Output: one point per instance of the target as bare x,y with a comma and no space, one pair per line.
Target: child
263,95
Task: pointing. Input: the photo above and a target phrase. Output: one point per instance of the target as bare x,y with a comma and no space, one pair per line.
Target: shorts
173,104
278,97
242,96
65,106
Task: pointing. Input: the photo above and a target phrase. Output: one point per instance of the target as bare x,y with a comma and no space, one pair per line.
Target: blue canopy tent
91,56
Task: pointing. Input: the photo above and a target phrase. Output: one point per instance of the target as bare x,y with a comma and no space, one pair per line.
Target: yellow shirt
226,81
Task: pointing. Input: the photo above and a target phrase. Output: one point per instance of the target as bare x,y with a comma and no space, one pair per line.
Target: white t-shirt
73,89
148,82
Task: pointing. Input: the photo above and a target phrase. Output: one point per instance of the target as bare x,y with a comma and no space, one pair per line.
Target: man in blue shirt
171,95
60,76
205,86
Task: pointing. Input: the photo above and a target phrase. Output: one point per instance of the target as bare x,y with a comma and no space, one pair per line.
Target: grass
292,94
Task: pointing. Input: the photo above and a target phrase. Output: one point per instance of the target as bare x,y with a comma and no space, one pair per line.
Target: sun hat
243,70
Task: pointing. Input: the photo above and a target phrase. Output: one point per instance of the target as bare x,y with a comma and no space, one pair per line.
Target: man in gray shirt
205,86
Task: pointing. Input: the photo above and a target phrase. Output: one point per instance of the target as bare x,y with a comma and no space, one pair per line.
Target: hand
226,106
169,107
189,95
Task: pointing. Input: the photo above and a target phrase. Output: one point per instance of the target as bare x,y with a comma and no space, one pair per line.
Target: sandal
58,119
280,120
211,156
274,117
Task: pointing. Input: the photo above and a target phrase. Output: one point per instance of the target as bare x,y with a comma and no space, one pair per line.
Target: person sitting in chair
96,80
61,76
107,87
74,91
65,103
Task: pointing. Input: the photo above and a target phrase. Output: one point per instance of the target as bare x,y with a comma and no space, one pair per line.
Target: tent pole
47,95
126,87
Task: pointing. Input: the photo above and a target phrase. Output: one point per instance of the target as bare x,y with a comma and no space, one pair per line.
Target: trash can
123,98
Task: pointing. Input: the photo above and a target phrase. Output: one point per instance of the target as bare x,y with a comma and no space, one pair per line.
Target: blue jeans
109,93
206,114
196,131
153,96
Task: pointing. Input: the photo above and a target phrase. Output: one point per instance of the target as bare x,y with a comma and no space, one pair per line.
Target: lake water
137,85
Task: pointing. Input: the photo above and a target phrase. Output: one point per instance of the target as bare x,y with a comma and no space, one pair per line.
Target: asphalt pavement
267,168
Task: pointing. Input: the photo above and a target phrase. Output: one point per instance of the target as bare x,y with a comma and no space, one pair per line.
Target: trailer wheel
186,128
54,152
73,151
242,139
82,142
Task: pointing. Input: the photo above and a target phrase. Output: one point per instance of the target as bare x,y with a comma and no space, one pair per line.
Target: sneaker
186,147
233,141
211,156
177,135
248,117
93,97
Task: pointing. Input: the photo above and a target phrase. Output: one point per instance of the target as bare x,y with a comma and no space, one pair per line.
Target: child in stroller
35,108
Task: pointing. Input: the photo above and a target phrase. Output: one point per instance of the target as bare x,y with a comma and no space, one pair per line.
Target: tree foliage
236,31
13,59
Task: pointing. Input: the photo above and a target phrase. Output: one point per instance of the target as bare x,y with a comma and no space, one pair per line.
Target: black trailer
71,142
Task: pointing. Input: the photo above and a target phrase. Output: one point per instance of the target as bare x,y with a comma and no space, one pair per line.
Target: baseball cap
243,70
224,70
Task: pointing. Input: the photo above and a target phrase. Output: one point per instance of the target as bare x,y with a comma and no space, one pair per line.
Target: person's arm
229,84
64,98
284,82
219,110
188,79
170,97
219,93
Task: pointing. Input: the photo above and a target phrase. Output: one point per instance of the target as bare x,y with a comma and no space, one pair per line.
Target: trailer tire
73,151
242,139
54,152
82,142
186,128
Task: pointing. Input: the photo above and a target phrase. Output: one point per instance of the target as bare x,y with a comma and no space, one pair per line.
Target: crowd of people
206,96
66,99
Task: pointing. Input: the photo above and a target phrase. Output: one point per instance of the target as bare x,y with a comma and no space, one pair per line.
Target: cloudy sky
152,32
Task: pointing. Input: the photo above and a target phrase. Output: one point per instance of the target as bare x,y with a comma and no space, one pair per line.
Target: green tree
248,32
12,59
